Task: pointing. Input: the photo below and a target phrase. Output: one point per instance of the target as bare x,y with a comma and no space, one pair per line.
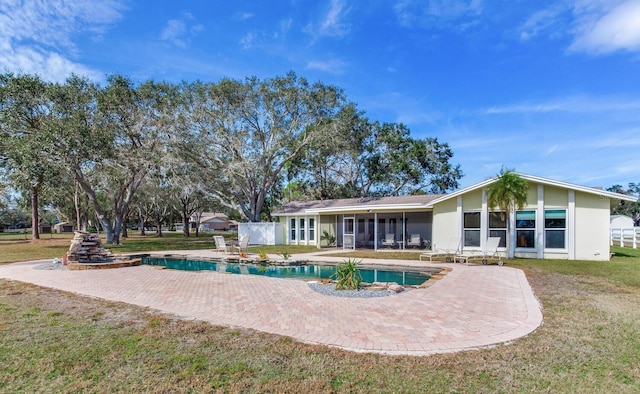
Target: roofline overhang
531,178
356,209
544,181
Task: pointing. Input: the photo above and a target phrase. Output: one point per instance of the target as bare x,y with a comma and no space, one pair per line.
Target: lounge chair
490,252
389,240
243,247
415,241
447,254
221,246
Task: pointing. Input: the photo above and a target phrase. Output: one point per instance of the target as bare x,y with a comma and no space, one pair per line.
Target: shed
621,221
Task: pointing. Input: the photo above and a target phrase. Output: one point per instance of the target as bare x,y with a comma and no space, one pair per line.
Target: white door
348,233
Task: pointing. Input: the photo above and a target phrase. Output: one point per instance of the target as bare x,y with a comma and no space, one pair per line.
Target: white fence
625,236
263,233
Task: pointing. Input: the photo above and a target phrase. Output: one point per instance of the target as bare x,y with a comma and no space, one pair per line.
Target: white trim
571,225
540,223
375,231
484,220
511,234
367,208
539,180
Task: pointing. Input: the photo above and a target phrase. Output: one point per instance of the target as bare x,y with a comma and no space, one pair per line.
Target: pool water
306,272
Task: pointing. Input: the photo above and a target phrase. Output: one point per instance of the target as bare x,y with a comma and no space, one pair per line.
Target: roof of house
614,198
359,204
215,216
425,200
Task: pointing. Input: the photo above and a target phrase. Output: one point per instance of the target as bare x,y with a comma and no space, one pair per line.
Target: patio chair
490,252
447,254
389,240
243,246
362,240
415,241
221,246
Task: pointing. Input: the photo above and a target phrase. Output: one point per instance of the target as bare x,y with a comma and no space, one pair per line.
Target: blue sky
549,88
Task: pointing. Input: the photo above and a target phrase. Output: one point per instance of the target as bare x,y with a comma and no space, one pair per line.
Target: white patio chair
490,252
415,241
243,246
447,254
389,240
221,245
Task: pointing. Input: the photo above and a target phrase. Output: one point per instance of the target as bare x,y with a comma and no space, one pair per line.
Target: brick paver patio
471,307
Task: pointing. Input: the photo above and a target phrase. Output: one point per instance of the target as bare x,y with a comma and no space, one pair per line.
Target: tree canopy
508,194
243,145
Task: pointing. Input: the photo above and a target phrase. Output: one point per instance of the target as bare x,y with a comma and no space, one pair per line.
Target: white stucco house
560,221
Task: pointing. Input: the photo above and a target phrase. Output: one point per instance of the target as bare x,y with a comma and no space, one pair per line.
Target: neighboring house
559,221
63,227
212,221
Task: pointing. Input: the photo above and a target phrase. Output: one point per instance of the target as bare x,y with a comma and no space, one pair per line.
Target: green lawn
59,342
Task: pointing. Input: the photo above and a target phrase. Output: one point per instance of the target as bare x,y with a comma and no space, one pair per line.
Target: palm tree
507,193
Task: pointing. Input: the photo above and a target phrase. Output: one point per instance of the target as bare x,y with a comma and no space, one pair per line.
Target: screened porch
380,231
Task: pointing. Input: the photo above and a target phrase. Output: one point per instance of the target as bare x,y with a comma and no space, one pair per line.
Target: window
555,225
302,230
293,229
498,227
526,229
471,229
312,229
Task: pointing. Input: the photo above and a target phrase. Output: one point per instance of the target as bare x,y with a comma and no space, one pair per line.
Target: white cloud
333,66
38,36
411,13
542,21
332,23
48,65
575,104
604,31
178,33
173,32
244,16
247,40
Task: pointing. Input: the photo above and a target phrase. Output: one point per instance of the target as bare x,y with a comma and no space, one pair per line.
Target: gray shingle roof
302,206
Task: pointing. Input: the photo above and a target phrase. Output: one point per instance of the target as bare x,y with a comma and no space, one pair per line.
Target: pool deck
471,307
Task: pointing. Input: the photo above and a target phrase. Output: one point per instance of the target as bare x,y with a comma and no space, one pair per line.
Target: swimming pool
311,271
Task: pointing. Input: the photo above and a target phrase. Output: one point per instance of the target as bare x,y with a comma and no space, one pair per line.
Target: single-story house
63,227
560,221
212,221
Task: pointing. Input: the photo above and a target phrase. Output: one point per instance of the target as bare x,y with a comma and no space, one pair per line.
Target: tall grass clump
348,276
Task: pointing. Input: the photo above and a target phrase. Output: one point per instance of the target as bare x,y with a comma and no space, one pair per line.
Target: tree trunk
185,222
76,203
125,232
117,228
35,218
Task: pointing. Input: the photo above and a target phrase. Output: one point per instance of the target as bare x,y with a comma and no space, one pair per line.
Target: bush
329,238
348,275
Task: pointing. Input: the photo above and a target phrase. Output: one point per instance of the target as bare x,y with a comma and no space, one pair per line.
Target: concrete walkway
471,307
